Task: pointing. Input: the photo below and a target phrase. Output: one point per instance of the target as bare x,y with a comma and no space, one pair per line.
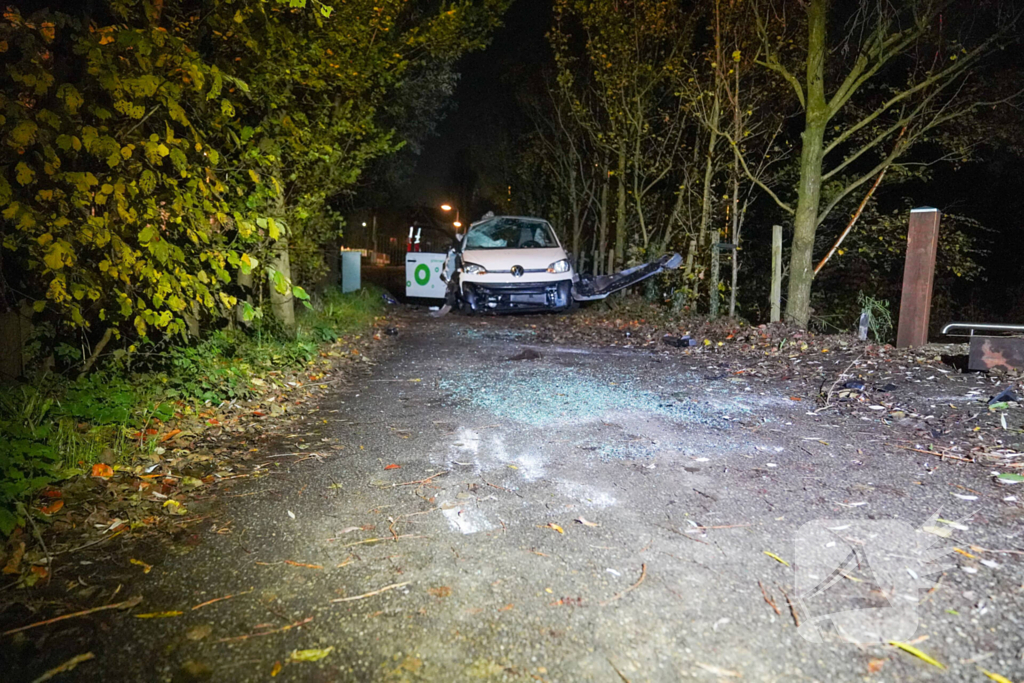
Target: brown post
918,274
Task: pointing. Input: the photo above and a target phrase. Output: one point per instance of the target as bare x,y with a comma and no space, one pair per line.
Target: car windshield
511,233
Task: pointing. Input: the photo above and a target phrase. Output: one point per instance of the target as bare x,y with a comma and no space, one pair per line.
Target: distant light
446,207
457,224
364,224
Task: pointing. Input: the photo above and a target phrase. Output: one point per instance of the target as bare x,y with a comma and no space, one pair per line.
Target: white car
515,263
510,263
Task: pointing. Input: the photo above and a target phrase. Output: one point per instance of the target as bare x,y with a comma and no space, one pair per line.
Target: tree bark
602,239
805,222
283,305
620,210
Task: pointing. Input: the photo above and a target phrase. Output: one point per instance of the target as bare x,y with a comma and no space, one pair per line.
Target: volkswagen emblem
517,271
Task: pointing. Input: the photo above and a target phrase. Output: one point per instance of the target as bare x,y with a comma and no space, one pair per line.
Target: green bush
57,427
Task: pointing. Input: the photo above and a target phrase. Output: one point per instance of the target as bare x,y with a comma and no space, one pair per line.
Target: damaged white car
516,263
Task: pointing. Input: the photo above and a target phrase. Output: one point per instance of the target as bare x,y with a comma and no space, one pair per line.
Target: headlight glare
559,266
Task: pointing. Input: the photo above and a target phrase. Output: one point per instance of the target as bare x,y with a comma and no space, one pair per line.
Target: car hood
498,260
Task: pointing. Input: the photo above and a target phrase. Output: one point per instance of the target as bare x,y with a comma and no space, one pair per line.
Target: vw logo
517,271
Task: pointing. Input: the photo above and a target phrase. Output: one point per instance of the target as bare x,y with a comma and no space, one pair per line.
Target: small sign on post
918,275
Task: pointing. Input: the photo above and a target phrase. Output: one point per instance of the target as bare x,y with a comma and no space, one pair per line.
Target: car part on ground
592,289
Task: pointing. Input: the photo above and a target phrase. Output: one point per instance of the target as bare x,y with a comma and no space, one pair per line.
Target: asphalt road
705,496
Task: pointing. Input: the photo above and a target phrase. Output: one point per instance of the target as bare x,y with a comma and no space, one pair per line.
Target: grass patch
57,427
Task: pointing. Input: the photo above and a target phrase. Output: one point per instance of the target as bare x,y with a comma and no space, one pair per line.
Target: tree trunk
620,210
705,212
283,305
602,239
805,222
577,228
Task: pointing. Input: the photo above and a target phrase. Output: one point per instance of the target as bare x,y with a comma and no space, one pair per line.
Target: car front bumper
517,296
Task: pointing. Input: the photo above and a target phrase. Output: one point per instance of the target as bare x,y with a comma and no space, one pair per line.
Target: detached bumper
517,296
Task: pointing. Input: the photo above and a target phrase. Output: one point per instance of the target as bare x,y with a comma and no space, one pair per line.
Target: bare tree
896,75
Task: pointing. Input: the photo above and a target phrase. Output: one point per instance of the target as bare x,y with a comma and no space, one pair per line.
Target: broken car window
510,233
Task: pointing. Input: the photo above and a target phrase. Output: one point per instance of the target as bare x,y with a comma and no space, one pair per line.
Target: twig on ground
768,599
831,389
127,604
233,639
66,666
92,543
937,455
372,593
380,540
621,675
418,481
792,607
226,597
643,575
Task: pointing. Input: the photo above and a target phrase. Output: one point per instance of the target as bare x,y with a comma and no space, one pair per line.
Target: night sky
484,103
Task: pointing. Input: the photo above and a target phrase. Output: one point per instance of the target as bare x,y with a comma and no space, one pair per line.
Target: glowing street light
446,207
457,224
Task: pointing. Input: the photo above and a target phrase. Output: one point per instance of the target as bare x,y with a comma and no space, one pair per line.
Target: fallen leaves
995,677
159,615
312,655
146,568
584,522
53,508
440,591
917,653
776,557
552,525
101,471
393,466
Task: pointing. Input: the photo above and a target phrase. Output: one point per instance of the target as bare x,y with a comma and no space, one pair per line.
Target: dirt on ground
577,498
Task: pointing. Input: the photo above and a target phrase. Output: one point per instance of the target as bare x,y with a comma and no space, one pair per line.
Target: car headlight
559,266
473,269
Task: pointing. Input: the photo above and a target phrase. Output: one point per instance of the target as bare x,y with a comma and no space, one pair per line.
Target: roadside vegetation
55,426
171,178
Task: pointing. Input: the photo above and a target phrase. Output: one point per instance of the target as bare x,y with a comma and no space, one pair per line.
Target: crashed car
516,263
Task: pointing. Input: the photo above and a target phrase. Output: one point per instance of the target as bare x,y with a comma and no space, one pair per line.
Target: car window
510,233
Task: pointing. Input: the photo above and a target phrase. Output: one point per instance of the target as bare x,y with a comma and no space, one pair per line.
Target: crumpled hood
502,260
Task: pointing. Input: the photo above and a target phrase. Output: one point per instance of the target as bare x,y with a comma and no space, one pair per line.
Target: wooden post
918,275
776,295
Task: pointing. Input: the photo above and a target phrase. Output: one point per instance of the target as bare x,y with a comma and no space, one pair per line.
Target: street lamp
448,207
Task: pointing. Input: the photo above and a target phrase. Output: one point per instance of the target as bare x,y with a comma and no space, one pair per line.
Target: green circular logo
422,274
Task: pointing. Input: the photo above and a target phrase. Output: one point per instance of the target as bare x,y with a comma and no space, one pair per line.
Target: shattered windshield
511,233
